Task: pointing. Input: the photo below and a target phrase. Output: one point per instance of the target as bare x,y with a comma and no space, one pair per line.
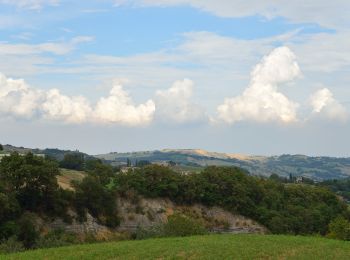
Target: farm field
201,247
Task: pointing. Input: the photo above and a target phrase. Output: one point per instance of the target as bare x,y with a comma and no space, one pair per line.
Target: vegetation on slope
202,247
29,190
282,208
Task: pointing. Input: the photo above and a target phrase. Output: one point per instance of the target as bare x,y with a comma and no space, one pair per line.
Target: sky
258,77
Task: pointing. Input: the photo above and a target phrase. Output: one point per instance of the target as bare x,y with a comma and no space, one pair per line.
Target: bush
178,225
339,228
28,229
56,238
8,229
11,245
151,232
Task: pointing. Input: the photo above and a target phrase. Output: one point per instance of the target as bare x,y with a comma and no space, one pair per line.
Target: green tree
1,147
73,161
32,180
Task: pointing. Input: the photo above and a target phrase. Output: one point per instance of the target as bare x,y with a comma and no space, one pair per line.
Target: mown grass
201,247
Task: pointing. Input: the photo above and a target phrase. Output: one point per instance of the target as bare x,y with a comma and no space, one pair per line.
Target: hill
58,154
183,160
201,247
317,168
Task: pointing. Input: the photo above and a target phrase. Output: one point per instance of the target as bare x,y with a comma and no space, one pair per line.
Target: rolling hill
317,168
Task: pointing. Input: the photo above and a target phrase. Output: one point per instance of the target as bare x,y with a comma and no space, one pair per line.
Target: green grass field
201,247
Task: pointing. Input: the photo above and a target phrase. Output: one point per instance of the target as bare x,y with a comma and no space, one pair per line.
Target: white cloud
57,48
261,101
174,104
119,108
325,105
326,13
67,109
31,4
19,100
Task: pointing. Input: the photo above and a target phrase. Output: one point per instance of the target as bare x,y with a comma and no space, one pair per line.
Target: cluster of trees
29,191
340,187
283,208
28,185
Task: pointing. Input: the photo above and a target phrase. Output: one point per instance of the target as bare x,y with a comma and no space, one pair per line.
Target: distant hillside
317,168
52,152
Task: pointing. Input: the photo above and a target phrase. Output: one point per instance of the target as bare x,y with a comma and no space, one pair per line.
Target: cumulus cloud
325,105
261,101
69,109
174,104
119,108
19,100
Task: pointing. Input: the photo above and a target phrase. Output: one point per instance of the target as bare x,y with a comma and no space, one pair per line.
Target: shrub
181,225
28,230
150,232
339,228
56,238
11,245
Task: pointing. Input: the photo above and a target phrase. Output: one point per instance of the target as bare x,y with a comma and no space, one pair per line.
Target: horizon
176,149
262,78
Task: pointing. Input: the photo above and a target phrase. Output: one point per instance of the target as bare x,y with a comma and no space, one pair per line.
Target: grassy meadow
201,247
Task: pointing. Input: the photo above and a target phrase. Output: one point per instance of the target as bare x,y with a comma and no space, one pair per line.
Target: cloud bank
261,101
19,100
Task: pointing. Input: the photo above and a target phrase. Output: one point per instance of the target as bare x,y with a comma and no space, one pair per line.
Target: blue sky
101,76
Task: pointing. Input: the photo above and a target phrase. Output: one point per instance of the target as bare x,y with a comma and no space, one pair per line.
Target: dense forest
29,190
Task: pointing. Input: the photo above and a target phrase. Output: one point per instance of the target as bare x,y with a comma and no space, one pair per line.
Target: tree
128,162
31,179
73,161
1,147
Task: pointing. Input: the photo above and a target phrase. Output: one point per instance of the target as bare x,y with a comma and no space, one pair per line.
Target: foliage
56,238
339,228
73,161
11,245
31,180
177,225
283,208
96,195
341,187
28,229
1,147
181,225
28,185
